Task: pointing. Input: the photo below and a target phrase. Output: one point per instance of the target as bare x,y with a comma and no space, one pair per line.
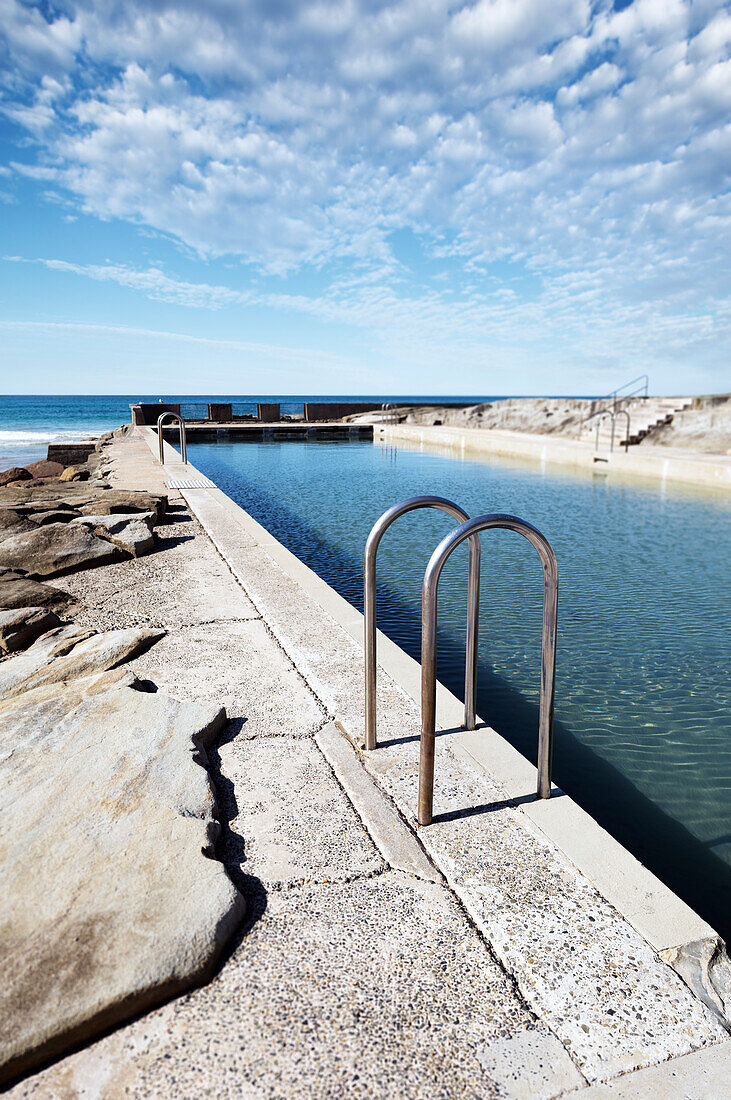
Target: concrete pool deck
512,948
655,463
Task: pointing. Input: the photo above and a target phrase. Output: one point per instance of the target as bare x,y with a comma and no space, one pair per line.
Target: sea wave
20,438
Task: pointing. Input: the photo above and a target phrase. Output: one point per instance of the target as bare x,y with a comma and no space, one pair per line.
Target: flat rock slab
296,823
131,531
95,499
54,549
53,515
22,592
376,988
107,826
21,626
241,666
69,652
13,523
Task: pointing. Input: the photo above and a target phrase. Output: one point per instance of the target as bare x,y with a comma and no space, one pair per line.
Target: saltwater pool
643,717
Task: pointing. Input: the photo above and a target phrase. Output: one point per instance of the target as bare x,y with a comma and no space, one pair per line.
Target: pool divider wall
667,923
655,463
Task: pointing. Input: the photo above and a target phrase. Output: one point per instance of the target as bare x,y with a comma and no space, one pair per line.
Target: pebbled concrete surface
371,988
350,978
298,824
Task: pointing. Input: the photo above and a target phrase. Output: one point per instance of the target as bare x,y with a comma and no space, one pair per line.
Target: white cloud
575,139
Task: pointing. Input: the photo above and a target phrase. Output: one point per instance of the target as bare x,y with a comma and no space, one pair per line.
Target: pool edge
667,923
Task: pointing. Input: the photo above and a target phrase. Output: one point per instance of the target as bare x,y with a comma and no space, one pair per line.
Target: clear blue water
642,727
28,423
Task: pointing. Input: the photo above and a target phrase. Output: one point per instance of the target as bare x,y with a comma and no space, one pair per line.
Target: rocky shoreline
116,900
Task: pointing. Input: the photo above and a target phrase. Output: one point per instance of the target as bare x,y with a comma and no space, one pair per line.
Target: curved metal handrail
183,447
429,654
621,412
369,608
614,414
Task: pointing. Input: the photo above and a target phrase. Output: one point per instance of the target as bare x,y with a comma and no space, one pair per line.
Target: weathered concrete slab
240,665
396,842
414,1012
704,1075
106,832
329,658
21,626
69,652
296,822
583,969
54,549
184,583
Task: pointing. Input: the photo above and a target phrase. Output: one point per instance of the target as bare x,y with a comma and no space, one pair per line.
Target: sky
361,197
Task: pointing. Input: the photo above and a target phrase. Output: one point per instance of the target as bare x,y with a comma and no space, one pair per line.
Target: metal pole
429,655
183,443
369,609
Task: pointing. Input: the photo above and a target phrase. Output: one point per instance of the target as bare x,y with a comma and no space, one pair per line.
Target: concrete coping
663,919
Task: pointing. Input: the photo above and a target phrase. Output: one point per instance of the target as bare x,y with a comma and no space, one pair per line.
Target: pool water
642,717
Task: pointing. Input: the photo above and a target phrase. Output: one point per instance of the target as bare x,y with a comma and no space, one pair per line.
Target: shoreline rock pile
113,899
56,520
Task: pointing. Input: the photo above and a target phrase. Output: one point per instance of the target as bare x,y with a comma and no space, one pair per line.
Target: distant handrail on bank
468,530
181,424
369,607
614,413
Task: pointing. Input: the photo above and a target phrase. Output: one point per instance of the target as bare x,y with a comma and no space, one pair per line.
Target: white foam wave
22,438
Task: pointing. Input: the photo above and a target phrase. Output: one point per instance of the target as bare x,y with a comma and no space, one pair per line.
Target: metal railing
639,391
617,398
613,414
388,413
369,607
183,447
437,561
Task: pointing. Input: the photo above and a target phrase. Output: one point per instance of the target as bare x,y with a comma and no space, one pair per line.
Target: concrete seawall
658,464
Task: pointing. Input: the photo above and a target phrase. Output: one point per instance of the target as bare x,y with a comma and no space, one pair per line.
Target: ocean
28,423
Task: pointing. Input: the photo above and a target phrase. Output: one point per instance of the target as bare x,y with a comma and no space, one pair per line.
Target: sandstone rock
15,473
56,548
44,468
12,523
70,652
124,501
116,903
95,499
21,626
54,515
131,531
76,473
16,591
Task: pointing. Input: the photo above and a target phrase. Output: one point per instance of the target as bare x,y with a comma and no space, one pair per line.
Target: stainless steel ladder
614,413
183,447
369,607
468,529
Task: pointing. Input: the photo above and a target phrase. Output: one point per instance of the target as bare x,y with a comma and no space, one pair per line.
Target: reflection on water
643,738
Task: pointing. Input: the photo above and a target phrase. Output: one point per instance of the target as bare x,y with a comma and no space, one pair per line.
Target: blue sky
500,196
